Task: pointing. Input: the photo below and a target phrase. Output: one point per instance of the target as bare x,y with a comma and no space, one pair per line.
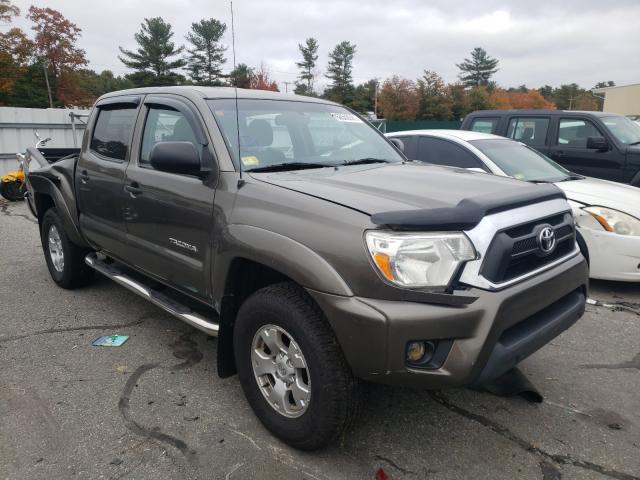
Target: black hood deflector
467,213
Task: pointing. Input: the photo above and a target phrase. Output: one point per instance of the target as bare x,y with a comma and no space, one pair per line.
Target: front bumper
488,337
612,256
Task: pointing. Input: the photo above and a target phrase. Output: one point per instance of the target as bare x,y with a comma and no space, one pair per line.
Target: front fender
283,254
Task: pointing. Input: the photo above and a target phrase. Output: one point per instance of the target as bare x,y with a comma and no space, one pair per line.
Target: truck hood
603,193
415,189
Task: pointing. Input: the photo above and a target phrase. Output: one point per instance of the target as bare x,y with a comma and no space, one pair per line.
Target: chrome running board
175,308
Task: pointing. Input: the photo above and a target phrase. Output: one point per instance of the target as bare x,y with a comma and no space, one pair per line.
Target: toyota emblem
547,239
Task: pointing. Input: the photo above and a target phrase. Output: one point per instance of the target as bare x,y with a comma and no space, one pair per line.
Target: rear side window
532,131
164,125
410,146
112,132
443,152
484,125
574,132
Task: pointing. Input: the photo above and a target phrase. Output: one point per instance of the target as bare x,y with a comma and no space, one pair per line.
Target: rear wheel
292,369
12,191
65,259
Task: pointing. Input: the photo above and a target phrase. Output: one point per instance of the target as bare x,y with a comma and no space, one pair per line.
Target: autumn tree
15,50
206,56
260,79
339,73
153,58
306,78
478,69
8,11
433,102
398,99
480,98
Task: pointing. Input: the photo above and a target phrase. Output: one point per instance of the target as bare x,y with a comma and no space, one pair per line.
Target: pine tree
152,58
241,76
477,70
339,71
207,55
309,51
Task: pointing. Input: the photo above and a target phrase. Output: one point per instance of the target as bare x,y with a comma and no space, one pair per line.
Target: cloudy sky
537,42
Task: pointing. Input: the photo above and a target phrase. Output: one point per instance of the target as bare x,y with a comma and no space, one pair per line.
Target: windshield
625,130
292,134
521,162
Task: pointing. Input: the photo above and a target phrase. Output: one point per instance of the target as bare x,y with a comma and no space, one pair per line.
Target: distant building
623,99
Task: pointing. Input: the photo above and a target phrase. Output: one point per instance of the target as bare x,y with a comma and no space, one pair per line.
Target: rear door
441,151
100,172
169,216
532,131
569,149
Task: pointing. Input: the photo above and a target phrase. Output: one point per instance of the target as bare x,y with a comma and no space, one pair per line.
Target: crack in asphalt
633,363
524,445
185,349
4,208
72,329
135,427
631,307
395,465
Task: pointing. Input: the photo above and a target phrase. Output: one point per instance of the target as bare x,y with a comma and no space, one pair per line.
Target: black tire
334,396
12,191
74,273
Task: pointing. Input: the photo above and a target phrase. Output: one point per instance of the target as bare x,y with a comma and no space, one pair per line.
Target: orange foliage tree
398,99
505,100
261,80
55,42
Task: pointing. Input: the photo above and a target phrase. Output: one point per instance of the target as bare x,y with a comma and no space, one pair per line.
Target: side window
532,131
163,124
484,125
574,132
410,146
443,152
112,132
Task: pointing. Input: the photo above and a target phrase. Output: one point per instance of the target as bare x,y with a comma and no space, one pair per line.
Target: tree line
49,69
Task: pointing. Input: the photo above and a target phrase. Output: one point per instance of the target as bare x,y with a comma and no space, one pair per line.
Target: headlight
419,259
614,221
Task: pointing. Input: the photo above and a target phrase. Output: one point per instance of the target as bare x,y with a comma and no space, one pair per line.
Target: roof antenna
235,88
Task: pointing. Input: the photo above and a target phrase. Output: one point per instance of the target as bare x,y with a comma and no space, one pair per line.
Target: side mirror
176,157
399,144
598,143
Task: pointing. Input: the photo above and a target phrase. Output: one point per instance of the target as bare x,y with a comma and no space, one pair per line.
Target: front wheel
65,259
292,369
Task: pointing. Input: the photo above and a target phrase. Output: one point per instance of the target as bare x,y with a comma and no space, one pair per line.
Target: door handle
133,188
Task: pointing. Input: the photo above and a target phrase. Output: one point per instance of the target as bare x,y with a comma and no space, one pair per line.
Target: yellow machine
12,185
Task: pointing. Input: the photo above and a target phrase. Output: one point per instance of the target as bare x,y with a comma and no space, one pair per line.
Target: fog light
415,351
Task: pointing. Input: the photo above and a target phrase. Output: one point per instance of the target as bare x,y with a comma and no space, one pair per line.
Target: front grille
515,251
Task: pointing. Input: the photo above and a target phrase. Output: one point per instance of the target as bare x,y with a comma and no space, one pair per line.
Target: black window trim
461,146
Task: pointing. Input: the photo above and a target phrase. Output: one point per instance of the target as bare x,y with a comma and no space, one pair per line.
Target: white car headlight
615,221
419,259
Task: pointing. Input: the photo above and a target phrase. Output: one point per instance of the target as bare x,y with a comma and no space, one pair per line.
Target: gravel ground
154,408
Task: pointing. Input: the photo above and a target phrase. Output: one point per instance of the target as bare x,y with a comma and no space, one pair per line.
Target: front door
100,173
169,216
570,150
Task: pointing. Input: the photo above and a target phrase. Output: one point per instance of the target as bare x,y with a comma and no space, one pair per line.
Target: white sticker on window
346,117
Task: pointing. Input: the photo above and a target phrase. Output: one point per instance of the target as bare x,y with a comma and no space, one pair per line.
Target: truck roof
215,92
538,112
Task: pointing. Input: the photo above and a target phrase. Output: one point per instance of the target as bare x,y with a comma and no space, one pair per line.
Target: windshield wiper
635,143
364,161
281,167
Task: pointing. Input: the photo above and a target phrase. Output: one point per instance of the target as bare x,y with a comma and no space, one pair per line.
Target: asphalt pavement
155,409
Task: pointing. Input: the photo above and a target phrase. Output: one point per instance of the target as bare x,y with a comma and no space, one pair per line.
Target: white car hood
603,193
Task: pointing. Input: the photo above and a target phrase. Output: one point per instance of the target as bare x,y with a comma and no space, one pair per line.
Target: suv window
532,131
163,124
484,125
443,152
112,132
574,132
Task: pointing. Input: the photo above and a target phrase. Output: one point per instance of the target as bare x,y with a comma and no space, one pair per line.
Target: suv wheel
64,258
291,368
